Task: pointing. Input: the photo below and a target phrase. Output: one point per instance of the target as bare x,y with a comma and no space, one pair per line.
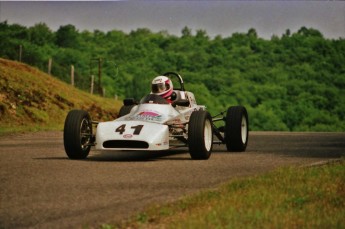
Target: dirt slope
31,99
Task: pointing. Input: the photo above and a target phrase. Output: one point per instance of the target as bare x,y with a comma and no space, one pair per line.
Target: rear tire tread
233,129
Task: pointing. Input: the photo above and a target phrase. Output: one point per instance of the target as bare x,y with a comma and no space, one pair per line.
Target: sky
223,18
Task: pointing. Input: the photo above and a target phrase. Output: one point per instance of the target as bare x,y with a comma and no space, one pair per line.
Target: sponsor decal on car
148,116
127,136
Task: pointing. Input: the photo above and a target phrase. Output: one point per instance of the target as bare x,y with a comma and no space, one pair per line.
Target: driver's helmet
162,85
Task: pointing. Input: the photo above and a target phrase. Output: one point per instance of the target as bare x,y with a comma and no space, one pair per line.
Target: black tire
236,129
77,134
200,135
125,110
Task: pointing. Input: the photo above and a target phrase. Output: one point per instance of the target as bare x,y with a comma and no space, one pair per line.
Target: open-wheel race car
153,124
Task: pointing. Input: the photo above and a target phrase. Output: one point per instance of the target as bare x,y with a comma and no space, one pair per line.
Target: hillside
292,82
33,100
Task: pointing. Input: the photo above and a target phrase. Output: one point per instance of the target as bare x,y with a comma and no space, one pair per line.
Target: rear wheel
200,135
236,129
77,134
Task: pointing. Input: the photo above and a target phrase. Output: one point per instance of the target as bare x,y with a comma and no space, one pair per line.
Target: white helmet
162,85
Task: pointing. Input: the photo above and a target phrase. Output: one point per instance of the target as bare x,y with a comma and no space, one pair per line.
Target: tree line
292,82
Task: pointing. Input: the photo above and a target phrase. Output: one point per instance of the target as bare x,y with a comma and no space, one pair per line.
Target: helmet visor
159,88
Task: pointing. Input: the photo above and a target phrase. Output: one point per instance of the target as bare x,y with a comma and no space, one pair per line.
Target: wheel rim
85,134
244,129
208,135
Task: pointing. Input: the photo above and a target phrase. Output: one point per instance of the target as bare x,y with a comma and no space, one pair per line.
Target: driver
162,85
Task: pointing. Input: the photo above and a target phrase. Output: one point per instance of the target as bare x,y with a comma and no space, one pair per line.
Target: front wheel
77,134
236,129
200,135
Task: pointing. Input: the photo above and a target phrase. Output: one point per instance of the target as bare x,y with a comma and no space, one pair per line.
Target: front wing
131,135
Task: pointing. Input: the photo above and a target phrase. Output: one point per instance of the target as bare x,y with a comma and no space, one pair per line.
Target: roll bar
178,76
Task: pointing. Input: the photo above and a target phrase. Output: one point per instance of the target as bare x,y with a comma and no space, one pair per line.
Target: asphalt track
41,188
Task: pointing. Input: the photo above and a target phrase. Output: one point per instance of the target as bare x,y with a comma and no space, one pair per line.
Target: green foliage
295,82
67,37
40,34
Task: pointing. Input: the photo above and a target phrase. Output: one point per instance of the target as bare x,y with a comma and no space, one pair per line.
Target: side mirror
129,102
181,102
173,96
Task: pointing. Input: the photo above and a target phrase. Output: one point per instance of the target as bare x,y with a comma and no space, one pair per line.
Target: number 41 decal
121,129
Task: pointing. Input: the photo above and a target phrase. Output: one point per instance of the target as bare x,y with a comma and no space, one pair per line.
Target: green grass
312,197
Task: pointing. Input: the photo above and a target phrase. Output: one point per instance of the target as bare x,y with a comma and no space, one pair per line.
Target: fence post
72,75
100,91
50,66
92,83
20,53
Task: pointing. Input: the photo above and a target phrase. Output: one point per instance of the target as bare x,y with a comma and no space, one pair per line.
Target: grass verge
309,197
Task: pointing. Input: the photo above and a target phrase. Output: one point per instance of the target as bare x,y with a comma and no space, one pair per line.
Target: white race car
154,124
